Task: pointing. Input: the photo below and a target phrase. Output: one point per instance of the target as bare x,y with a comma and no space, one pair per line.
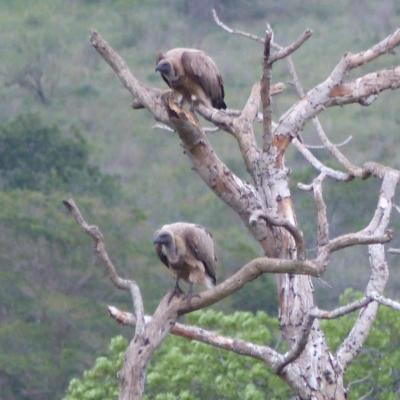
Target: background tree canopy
66,129
40,158
189,370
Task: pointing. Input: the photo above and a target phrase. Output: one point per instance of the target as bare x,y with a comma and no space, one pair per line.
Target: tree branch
385,301
151,99
285,52
322,220
344,310
275,220
235,31
190,332
357,238
299,346
333,149
244,132
230,188
219,118
100,248
394,251
318,165
379,269
352,169
320,96
322,146
384,46
365,89
247,273
265,93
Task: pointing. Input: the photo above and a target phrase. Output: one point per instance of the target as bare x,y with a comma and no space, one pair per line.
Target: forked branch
287,51
235,31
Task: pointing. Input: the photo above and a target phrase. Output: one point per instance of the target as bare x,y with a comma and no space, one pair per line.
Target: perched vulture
188,252
194,75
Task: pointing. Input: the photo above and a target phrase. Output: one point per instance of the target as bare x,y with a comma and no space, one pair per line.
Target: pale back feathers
190,254
194,75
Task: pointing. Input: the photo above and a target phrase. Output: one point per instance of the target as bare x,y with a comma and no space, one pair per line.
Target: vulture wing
201,243
202,69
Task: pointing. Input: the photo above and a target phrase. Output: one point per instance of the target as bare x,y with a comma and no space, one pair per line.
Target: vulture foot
176,292
189,296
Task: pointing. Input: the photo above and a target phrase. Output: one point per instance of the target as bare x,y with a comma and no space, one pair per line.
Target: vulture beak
163,68
161,239
157,240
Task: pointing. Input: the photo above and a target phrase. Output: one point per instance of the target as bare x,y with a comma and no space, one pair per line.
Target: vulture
194,75
188,252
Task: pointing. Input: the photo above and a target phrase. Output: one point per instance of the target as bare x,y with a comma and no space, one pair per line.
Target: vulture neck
172,77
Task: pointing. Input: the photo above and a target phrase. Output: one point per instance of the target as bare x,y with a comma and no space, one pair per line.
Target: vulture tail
210,282
219,104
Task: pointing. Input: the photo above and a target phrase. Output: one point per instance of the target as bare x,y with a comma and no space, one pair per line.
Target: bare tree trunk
132,376
266,208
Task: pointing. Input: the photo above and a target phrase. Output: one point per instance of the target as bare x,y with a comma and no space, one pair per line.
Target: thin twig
285,52
190,332
392,250
100,248
358,381
208,129
344,310
321,146
385,301
318,165
299,346
323,225
235,31
366,395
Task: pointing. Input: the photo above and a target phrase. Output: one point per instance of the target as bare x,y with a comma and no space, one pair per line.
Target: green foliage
183,369
52,292
190,370
38,157
379,360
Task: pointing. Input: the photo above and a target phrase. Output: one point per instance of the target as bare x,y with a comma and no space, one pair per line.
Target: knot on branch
389,233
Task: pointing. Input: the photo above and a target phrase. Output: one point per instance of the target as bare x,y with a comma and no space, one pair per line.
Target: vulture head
166,69
164,243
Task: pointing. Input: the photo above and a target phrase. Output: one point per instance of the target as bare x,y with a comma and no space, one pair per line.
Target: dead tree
265,206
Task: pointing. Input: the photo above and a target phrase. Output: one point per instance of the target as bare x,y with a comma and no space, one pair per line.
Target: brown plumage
194,75
188,252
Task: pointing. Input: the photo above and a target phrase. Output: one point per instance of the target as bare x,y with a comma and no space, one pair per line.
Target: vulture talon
176,292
